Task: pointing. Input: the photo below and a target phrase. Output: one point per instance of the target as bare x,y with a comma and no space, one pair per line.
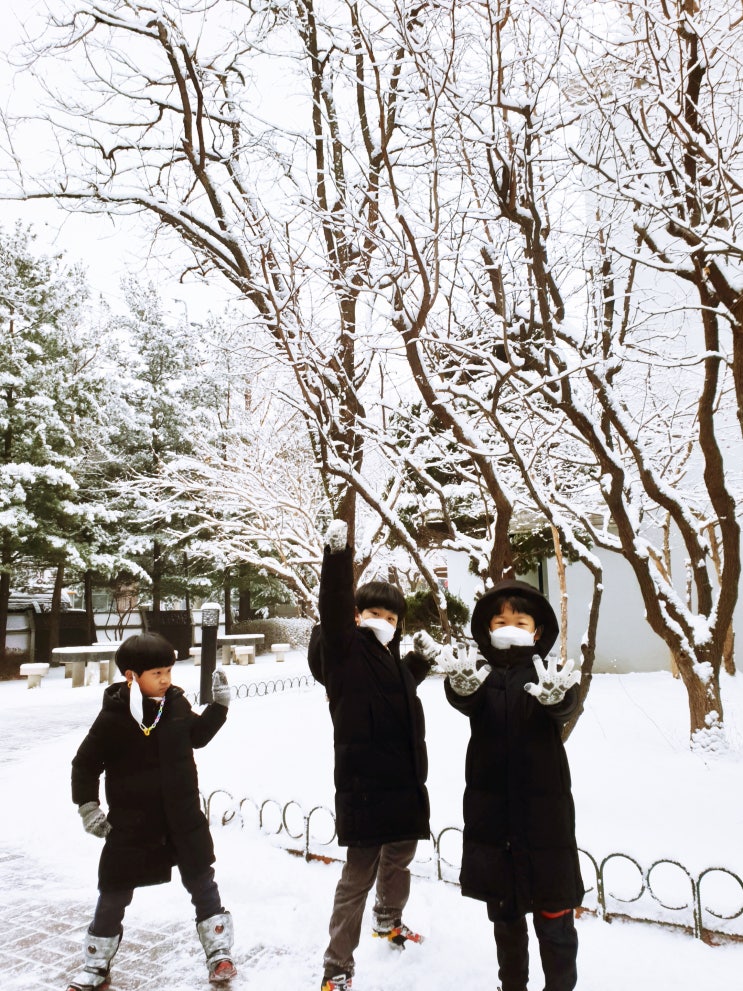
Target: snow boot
341,982
398,935
216,934
98,952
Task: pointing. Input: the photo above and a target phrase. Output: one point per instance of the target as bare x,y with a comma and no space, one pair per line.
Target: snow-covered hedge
292,630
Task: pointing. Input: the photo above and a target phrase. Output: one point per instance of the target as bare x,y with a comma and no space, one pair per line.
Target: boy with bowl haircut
142,741
381,802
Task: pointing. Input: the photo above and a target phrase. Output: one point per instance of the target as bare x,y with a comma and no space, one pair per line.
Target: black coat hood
543,612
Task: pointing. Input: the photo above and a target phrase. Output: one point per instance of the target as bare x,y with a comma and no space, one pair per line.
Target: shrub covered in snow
292,630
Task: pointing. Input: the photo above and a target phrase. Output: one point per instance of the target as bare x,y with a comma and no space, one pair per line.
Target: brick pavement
40,940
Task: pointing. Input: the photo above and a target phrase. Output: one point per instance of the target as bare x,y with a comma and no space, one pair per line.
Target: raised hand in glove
426,646
94,819
553,682
220,688
461,668
336,536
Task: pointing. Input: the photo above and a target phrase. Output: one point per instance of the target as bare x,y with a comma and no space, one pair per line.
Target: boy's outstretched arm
336,602
205,726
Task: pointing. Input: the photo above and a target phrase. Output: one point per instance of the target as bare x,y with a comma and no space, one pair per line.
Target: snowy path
280,747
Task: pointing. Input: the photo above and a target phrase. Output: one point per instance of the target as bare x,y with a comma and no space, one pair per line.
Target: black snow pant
109,912
558,949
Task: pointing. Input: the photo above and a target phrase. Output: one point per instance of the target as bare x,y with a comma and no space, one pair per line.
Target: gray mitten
552,683
220,688
426,646
461,668
94,819
336,536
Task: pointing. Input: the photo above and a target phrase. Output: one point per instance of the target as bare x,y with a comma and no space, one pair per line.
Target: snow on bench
280,649
34,671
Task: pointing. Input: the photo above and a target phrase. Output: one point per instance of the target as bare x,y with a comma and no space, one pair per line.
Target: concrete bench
96,672
280,650
244,655
195,652
34,671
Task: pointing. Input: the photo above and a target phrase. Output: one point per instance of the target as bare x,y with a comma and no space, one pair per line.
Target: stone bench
280,650
244,655
195,652
34,671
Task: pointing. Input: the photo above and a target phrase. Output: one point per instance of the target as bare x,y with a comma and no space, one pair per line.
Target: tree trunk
562,581
156,576
56,609
88,605
228,601
243,605
187,595
4,600
705,704
728,651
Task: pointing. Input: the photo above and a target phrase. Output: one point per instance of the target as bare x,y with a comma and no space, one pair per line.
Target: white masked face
382,629
511,628
511,636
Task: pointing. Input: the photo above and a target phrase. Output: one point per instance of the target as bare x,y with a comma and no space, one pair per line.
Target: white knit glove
460,665
426,646
94,819
220,688
552,683
336,536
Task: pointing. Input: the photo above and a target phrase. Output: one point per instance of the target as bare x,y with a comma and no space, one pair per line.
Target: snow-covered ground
638,791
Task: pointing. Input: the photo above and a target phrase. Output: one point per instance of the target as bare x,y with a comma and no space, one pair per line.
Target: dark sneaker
398,935
338,983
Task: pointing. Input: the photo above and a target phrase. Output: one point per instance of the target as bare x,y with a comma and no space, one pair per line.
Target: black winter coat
381,762
520,852
151,786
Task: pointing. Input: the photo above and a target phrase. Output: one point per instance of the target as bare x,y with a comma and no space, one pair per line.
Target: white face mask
382,630
511,636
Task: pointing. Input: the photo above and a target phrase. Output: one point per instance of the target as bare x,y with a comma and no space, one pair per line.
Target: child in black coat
381,765
520,854
143,742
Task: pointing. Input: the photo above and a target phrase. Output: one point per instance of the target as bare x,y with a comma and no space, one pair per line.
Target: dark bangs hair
144,653
519,603
381,595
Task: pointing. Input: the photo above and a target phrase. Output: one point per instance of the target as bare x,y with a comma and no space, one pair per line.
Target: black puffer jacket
378,725
151,786
519,850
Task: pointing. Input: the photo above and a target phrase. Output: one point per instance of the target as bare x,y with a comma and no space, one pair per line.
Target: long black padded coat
378,724
151,787
519,851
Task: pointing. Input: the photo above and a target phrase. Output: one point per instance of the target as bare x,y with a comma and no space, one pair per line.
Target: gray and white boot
217,934
98,952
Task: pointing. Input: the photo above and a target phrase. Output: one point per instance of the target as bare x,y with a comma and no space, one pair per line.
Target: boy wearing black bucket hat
143,741
519,852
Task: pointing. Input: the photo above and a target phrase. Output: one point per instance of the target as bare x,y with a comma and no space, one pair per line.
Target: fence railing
257,689
666,884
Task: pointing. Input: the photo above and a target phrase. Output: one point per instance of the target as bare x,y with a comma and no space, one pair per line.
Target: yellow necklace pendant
146,730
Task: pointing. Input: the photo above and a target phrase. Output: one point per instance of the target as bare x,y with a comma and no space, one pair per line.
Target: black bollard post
209,631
